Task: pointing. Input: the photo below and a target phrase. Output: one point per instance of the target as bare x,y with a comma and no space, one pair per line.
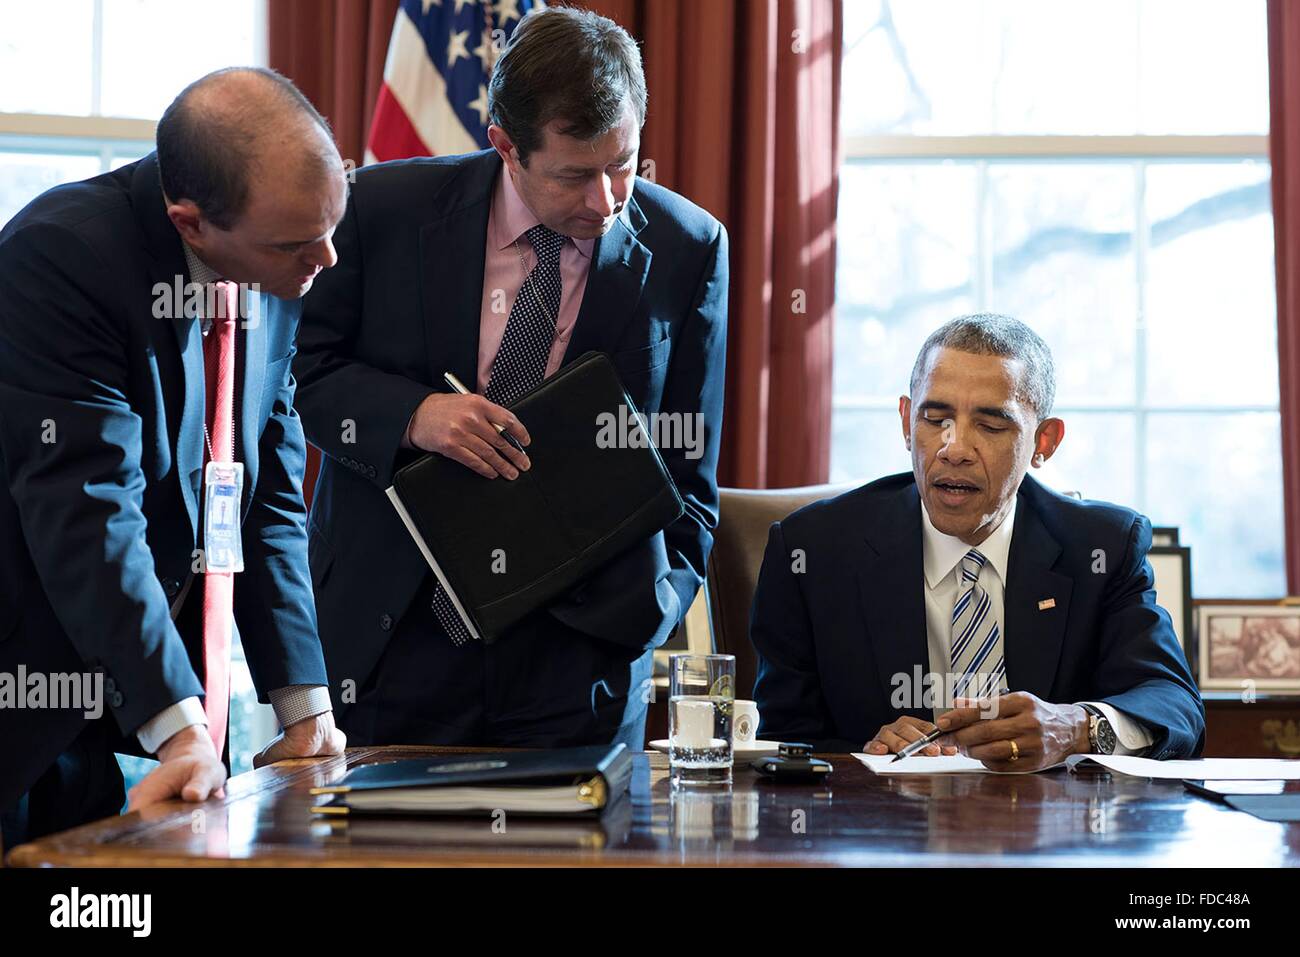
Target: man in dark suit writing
138,383
966,582
500,267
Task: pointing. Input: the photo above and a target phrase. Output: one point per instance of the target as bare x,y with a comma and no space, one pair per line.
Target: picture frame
1257,641
1172,566
1164,536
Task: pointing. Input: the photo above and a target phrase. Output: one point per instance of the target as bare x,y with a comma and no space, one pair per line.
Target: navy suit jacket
832,638
98,518
403,306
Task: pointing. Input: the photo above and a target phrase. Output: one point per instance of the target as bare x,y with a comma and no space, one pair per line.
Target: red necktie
219,587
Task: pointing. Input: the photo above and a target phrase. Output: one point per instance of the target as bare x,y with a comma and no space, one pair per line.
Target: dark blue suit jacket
98,527
832,638
403,306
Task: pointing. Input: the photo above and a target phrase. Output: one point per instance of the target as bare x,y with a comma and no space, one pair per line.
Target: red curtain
334,51
1284,153
743,120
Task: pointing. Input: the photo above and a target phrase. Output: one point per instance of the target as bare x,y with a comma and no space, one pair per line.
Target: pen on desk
451,380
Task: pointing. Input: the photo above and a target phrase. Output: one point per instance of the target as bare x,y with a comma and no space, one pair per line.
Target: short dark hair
205,156
990,334
565,64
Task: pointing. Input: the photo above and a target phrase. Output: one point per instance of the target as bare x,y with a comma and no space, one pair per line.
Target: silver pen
919,744
451,380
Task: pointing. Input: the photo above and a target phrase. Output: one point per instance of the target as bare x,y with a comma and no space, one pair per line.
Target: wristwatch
1101,736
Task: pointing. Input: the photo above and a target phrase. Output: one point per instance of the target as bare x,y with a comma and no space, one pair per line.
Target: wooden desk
854,818
1268,727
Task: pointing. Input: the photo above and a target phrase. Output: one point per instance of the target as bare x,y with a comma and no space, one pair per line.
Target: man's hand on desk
892,738
1044,733
310,738
463,427
189,768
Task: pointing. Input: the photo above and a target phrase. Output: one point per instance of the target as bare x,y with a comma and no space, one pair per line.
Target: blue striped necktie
978,664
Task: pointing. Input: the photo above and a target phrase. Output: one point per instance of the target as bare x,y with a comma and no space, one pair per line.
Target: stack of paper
1214,769
1210,769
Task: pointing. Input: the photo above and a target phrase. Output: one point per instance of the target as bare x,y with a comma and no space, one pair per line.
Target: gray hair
990,334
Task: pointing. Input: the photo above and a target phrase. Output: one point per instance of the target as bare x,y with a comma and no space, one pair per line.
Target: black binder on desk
597,486
562,782
597,831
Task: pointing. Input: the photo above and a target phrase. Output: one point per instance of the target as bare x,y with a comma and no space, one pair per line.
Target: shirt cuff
294,703
1132,736
153,734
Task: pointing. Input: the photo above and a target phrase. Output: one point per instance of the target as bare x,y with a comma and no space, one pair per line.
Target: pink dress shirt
503,276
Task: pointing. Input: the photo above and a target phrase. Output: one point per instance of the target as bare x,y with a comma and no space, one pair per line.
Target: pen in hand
919,744
451,379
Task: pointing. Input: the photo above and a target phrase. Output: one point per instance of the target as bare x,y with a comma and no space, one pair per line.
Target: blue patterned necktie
519,365
977,657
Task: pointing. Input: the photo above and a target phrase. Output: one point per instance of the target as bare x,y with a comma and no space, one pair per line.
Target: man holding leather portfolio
501,267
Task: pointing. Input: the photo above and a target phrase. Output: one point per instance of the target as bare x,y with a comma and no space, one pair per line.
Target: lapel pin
1046,603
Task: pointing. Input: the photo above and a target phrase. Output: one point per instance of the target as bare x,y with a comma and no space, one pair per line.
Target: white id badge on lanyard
224,487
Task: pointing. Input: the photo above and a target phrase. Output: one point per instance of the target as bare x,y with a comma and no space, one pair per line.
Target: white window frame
980,150
109,136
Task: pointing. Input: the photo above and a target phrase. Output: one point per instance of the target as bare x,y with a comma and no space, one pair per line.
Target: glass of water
701,695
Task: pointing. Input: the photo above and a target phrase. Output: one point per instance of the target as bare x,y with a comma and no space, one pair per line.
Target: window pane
961,67
1219,479
1046,72
915,78
1204,67
252,725
123,155
1210,300
1063,263
866,445
185,39
906,264
46,57
1095,458
1056,244
24,176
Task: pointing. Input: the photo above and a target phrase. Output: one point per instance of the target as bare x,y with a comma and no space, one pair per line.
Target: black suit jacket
98,526
832,638
403,306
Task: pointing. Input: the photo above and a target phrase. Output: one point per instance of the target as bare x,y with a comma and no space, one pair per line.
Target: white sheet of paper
941,764
920,764
1212,769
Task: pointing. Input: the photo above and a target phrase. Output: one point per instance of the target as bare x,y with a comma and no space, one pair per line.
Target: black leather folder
562,782
610,828
502,548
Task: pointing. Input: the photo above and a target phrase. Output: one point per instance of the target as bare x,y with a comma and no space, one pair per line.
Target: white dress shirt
942,555
292,704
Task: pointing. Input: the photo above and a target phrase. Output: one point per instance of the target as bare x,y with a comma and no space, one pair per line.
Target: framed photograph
1248,641
1172,565
1164,535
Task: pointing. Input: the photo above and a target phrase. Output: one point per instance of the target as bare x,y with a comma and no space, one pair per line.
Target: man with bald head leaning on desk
1033,611
134,387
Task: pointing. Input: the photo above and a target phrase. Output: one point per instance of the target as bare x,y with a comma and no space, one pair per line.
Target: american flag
434,96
